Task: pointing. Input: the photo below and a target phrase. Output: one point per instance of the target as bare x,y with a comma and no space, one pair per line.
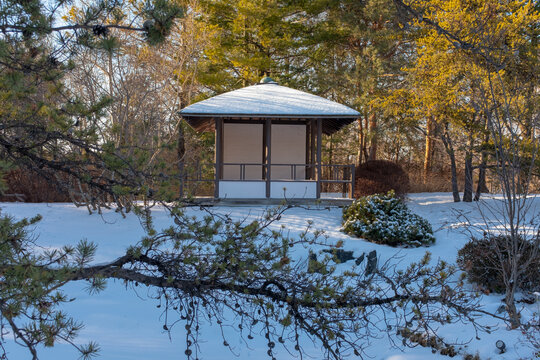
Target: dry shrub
439,180
32,187
436,182
379,177
478,258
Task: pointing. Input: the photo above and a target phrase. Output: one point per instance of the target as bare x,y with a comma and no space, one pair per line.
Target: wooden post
181,151
268,138
319,157
307,173
312,138
218,154
345,186
353,171
264,152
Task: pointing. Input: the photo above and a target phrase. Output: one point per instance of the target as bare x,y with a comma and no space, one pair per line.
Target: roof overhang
268,101
330,124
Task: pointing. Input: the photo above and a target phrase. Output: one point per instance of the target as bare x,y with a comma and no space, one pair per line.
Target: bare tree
147,86
515,156
510,99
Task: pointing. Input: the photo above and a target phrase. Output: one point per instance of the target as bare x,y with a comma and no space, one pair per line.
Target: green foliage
350,51
161,14
4,167
48,125
203,268
30,294
248,40
385,219
483,266
205,264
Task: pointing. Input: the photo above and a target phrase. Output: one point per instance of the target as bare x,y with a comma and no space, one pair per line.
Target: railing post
219,154
352,181
319,149
313,146
268,125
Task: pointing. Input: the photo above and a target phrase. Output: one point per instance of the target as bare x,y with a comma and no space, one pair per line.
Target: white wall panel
242,143
288,147
242,189
293,189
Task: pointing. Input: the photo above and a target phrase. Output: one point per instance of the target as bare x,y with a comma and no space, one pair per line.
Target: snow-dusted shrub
479,259
386,219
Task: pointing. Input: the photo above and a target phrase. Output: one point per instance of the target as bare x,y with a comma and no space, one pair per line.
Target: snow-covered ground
127,326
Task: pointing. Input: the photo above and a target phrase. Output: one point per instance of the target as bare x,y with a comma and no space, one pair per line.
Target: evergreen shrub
479,260
386,219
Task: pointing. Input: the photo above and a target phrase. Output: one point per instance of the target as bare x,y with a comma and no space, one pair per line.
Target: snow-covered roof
269,99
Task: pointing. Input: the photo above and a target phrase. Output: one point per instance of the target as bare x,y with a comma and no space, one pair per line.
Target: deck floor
323,202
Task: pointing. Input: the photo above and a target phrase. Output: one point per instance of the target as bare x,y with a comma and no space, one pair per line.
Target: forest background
425,100
90,94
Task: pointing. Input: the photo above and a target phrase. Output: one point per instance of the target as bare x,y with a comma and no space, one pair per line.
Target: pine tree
41,118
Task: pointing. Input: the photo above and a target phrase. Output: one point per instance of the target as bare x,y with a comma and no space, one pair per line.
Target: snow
269,99
129,327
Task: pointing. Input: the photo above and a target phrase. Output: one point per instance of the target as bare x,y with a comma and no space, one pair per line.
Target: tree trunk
449,147
509,300
455,188
512,253
398,148
114,118
468,186
481,187
362,152
181,150
331,170
374,137
428,155
360,142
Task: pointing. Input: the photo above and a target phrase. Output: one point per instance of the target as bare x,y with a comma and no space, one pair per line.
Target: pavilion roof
269,100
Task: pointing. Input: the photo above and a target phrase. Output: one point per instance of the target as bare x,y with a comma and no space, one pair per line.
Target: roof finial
267,80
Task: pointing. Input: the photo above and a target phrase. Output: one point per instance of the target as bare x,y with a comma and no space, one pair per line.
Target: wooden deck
324,202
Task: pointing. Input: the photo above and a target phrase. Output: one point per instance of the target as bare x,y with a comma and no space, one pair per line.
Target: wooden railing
242,171
335,176
326,175
295,169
